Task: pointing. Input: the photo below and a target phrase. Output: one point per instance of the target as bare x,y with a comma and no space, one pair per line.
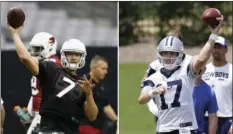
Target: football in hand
15,17
211,17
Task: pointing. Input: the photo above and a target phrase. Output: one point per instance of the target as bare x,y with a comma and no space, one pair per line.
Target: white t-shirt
175,107
220,79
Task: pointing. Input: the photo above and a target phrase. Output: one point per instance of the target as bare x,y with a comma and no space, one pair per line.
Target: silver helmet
170,44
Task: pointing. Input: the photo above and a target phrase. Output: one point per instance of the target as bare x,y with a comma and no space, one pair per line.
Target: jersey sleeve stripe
147,83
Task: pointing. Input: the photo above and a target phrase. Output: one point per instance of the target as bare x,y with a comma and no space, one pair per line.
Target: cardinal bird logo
51,40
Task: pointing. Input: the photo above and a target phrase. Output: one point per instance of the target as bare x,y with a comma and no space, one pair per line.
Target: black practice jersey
60,95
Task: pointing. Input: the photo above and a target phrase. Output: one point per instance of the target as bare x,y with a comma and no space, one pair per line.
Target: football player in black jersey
63,101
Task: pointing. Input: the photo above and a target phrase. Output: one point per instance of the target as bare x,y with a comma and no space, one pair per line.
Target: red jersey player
43,46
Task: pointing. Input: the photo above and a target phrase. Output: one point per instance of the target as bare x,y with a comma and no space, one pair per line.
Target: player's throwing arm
25,57
201,59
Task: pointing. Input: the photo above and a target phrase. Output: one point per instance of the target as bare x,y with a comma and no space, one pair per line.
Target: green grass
134,118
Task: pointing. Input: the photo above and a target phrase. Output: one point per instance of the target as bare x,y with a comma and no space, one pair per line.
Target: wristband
213,37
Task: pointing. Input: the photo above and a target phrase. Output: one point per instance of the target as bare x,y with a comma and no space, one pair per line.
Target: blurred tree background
156,19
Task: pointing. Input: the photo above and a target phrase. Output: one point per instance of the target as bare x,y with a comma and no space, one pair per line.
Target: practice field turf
134,118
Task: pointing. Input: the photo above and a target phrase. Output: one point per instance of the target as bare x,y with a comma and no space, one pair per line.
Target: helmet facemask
73,66
170,44
73,47
170,63
36,50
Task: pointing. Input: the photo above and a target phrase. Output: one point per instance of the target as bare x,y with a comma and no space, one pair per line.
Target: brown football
15,17
210,16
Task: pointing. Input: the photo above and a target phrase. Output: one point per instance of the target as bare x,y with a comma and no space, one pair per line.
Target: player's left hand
86,85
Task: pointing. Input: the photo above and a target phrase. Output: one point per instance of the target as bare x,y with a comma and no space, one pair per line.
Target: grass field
134,118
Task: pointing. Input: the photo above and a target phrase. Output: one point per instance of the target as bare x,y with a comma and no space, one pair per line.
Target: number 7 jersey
176,108
60,96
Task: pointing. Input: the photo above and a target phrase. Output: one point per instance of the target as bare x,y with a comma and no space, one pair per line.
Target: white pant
34,123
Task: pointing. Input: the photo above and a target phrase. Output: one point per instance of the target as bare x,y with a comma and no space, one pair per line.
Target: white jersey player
154,67
43,46
173,84
218,75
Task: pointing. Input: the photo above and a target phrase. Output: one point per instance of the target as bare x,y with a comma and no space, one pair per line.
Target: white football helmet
43,45
73,45
171,44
